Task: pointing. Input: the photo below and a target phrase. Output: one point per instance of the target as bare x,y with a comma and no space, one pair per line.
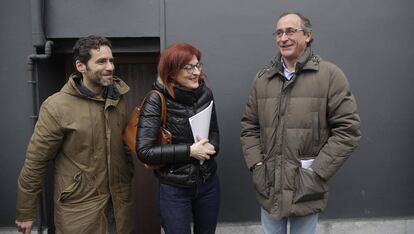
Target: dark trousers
180,206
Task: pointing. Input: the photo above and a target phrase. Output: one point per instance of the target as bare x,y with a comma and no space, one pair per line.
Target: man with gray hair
299,126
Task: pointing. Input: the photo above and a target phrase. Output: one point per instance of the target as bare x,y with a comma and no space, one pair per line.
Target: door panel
139,73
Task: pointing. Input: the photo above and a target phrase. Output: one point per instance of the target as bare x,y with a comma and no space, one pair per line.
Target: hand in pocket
309,186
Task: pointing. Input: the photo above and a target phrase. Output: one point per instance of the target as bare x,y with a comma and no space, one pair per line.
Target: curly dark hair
81,50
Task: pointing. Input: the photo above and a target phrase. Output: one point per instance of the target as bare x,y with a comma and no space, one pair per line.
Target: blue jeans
180,206
298,225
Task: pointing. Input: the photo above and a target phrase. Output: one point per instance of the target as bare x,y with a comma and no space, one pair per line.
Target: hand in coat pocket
309,186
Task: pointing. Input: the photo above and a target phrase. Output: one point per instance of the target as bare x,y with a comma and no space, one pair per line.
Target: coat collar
308,61
182,94
75,87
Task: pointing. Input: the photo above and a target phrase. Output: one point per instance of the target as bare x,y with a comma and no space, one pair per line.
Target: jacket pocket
181,169
309,186
260,180
78,189
264,176
69,190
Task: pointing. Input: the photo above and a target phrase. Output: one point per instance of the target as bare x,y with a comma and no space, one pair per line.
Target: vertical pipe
163,25
38,33
33,80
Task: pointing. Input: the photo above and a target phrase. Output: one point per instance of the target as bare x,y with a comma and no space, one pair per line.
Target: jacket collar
182,94
75,87
308,61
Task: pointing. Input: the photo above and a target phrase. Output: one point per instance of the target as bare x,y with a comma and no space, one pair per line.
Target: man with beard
300,125
80,129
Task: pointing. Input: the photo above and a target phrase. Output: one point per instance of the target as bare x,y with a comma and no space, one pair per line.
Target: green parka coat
312,116
83,136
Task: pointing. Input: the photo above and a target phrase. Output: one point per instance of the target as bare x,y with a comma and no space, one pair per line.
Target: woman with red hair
189,187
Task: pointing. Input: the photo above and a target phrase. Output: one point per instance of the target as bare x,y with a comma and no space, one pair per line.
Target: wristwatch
255,165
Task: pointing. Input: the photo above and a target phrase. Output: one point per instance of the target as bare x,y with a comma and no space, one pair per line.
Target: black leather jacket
180,169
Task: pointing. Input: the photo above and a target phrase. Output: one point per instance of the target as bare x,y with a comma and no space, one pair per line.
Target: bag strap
163,106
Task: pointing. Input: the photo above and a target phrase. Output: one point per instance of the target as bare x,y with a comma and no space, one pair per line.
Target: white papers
306,163
200,123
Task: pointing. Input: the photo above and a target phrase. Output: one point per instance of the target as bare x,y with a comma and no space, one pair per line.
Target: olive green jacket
83,136
312,116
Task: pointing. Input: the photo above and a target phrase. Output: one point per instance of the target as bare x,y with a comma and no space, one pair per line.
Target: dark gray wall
370,40
15,101
121,18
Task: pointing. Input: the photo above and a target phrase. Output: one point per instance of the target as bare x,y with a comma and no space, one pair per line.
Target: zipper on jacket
279,150
279,119
282,111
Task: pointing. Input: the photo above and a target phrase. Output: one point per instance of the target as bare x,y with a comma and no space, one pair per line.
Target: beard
97,79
